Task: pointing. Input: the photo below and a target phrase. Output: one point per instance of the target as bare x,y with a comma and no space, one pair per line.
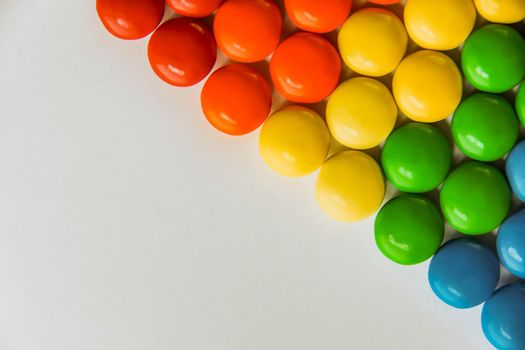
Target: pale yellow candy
294,141
501,11
372,41
361,113
439,24
350,186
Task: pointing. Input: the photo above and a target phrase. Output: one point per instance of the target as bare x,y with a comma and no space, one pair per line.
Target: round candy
182,51
439,25
464,273
409,229
373,41
416,158
248,30
294,141
236,99
511,243
515,169
194,8
475,198
350,186
130,19
384,2
318,16
503,317
520,103
305,68
485,127
427,86
501,11
361,113
492,58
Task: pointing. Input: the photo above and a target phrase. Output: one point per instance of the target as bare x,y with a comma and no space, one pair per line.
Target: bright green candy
485,127
475,198
520,103
416,157
493,58
409,229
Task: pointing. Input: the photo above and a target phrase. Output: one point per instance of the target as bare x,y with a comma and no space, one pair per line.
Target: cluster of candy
360,114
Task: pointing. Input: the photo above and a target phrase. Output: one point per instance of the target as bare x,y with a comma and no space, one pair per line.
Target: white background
127,222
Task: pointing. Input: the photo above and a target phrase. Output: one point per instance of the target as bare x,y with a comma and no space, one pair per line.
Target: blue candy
503,317
511,244
464,273
515,169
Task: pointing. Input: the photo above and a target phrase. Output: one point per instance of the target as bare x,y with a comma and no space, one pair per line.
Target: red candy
130,19
305,68
182,51
318,16
248,30
236,99
194,8
385,2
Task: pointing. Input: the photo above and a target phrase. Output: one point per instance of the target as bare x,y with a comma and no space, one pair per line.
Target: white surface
128,223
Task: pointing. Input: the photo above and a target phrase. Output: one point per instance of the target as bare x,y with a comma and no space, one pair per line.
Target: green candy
416,157
475,198
409,229
520,103
493,58
485,127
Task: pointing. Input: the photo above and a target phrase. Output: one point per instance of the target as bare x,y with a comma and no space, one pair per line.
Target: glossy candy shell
248,30
294,141
427,86
372,41
416,157
182,51
408,229
485,127
493,58
511,243
439,25
475,198
243,106
501,11
318,16
305,68
194,8
503,317
361,113
130,19
350,186
515,169
464,273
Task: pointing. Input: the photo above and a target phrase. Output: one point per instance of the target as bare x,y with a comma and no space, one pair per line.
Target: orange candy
130,19
305,68
318,16
236,99
182,51
248,30
194,8
384,2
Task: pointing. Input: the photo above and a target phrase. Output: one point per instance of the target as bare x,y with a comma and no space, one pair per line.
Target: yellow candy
501,11
350,186
439,24
372,42
361,113
294,141
427,86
